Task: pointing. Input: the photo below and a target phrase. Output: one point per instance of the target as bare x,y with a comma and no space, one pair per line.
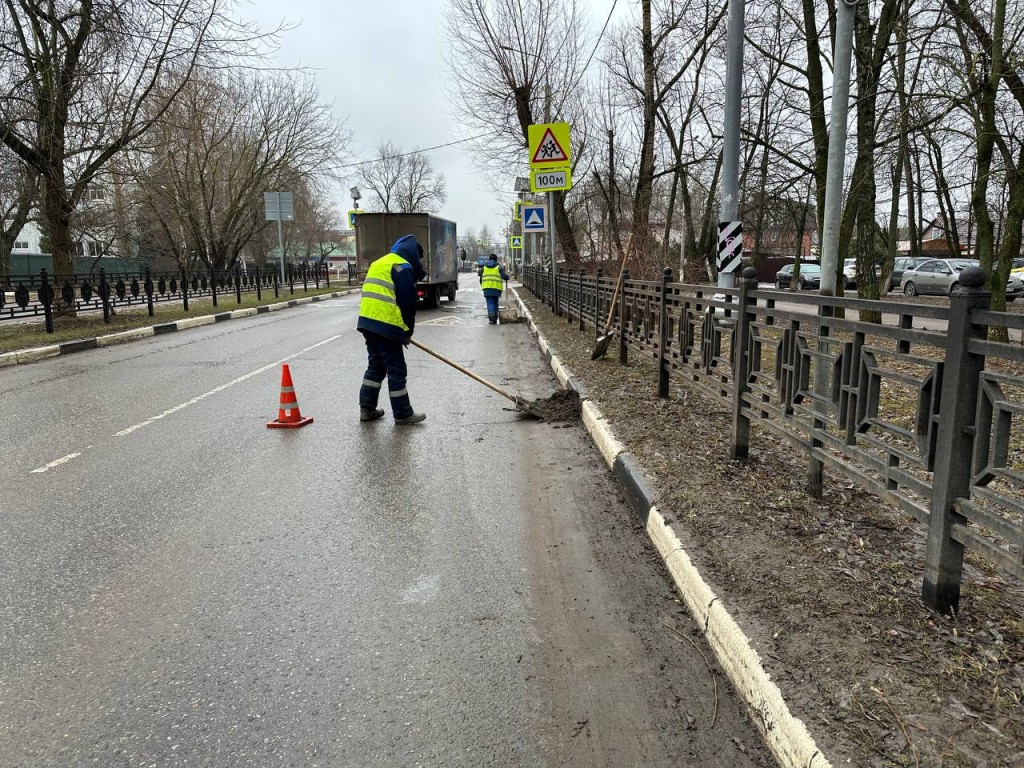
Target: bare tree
383,177
18,190
223,143
403,182
85,80
422,189
515,64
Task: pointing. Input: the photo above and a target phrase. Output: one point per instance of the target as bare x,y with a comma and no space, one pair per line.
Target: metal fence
24,297
927,419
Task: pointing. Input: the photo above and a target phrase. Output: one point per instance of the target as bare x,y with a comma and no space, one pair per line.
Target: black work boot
412,418
370,414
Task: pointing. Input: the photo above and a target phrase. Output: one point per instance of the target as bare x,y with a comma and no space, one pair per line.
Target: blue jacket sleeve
504,274
405,294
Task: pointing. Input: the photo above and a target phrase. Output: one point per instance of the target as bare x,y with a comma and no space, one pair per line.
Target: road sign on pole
515,242
550,180
549,145
517,211
279,206
535,218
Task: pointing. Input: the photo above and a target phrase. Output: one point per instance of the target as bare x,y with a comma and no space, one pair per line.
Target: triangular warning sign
534,219
549,150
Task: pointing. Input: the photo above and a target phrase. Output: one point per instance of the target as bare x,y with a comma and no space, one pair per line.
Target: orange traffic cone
288,416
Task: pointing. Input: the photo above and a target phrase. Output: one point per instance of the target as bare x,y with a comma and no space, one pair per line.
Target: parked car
901,265
810,276
850,272
941,277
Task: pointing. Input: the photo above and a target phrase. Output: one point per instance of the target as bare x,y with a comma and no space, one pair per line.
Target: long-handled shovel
521,404
601,347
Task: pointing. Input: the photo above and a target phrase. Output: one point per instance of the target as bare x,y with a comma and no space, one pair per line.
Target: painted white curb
39,353
561,372
243,313
192,322
785,735
123,336
278,306
597,428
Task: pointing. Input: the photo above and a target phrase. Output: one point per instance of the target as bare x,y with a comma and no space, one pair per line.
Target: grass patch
19,334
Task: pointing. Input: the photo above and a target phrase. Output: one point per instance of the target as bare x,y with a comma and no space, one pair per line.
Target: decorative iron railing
924,409
34,296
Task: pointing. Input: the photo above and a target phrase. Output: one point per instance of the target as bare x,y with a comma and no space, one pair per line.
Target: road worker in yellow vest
492,277
387,317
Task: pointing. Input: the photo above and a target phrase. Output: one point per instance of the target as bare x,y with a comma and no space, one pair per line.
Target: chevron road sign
730,246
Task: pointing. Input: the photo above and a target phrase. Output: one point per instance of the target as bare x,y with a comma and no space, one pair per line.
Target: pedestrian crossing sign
535,218
549,145
517,211
516,241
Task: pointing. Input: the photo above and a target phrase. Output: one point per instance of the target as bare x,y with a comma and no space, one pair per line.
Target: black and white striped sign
730,245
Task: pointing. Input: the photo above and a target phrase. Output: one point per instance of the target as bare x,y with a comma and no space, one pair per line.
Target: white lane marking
449,320
221,388
56,463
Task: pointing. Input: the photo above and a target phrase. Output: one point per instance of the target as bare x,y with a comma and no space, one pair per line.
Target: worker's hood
491,263
411,251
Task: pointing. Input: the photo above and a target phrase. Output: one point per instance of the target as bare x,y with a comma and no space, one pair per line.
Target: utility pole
730,228
830,221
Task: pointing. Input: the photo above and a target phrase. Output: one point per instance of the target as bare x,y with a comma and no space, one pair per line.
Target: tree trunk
645,175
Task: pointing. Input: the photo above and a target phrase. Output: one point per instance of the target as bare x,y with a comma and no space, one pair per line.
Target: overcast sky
381,64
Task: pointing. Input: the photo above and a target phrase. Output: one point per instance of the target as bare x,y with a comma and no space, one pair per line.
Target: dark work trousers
386,359
492,306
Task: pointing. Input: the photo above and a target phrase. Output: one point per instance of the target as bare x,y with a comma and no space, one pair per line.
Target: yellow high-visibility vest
491,278
378,300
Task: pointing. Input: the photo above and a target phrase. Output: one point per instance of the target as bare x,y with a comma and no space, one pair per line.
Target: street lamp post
356,195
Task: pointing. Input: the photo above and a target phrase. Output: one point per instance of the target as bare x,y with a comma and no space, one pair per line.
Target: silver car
941,277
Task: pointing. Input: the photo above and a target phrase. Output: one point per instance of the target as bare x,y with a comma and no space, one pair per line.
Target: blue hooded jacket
405,279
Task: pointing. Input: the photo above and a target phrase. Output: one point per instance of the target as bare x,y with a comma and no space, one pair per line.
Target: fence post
663,369
147,286
213,285
623,349
291,279
46,297
598,314
741,366
583,324
951,480
104,289
184,288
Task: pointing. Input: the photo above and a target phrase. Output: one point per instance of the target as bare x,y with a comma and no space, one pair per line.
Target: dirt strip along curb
784,734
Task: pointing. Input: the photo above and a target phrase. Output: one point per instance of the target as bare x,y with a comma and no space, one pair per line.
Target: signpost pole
280,235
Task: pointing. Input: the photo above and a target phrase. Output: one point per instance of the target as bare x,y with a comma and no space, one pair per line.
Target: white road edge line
56,463
221,388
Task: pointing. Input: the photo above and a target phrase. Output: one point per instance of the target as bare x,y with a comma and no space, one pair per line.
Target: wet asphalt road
181,586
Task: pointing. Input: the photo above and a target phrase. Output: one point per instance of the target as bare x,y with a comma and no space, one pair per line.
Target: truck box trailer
377,232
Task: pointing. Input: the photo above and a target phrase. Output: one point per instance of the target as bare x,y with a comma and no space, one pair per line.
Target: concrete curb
785,735
80,345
